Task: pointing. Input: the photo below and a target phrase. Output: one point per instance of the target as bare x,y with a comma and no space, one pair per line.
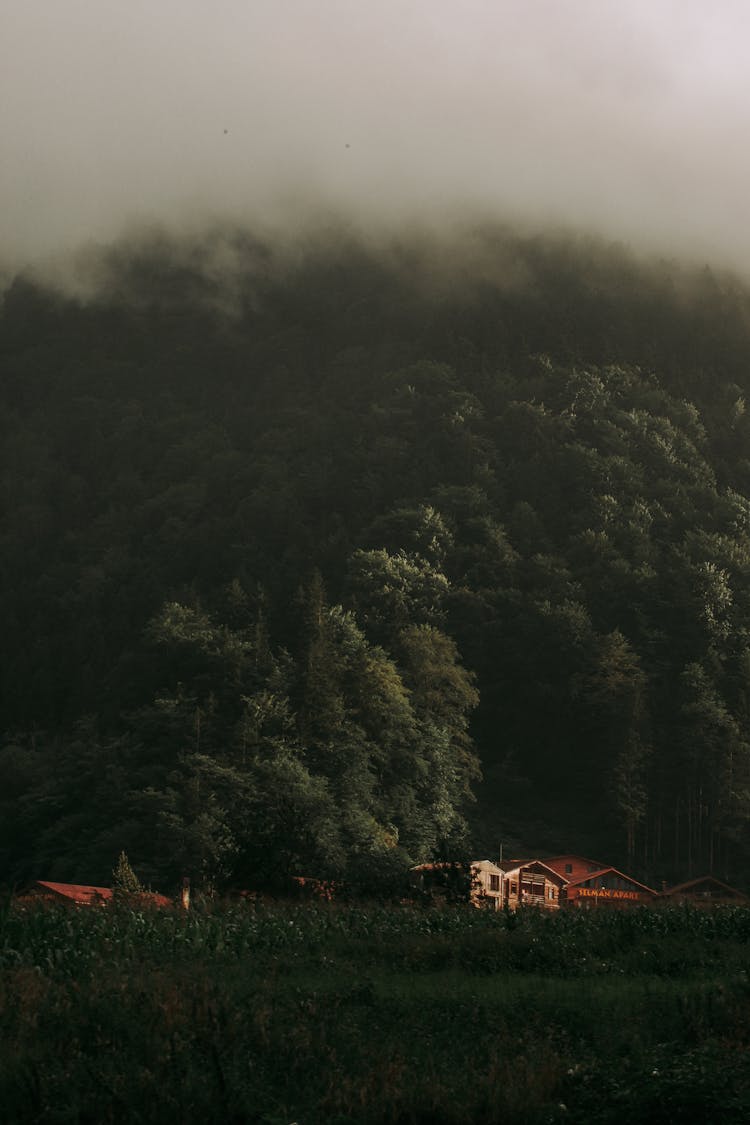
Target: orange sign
603,892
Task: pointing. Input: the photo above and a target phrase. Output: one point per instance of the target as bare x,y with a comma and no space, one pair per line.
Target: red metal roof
86,895
558,861
77,892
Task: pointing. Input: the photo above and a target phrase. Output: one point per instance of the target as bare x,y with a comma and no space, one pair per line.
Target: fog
629,120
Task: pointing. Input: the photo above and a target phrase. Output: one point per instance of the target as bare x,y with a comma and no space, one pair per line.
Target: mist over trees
353,556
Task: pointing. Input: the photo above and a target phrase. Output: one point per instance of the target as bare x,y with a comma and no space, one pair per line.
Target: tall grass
281,1013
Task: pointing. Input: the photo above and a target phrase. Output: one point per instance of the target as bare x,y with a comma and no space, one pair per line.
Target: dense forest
332,557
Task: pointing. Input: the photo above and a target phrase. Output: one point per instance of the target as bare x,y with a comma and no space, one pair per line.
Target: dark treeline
294,552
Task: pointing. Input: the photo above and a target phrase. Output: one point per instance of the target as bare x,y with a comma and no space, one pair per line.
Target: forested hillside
342,557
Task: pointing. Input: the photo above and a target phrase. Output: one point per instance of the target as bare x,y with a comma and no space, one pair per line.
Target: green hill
292,549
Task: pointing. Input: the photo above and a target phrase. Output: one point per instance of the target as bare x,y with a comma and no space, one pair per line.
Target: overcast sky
628,117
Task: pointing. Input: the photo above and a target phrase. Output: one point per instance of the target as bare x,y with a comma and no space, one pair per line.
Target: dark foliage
278,1014
281,554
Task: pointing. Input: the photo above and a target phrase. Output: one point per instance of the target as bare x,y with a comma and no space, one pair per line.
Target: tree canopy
375,562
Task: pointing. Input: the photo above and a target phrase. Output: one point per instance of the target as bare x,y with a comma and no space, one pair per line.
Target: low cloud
628,120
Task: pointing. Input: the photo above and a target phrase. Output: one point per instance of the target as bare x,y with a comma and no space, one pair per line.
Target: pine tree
125,882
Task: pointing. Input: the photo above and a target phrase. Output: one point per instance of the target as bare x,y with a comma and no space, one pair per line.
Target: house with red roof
77,894
572,866
80,894
704,891
607,887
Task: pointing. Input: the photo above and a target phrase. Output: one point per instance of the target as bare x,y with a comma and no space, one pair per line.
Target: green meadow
277,1013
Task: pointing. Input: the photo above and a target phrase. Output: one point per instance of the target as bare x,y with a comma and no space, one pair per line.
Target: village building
531,883
607,887
77,894
486,883
80,894
590,882
704,891
573,867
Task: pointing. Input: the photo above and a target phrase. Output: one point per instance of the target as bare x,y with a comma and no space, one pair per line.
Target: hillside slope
345,523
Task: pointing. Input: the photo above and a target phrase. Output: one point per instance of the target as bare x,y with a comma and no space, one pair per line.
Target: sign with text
604,892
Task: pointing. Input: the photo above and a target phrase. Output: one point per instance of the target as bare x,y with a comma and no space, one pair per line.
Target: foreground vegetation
278,1013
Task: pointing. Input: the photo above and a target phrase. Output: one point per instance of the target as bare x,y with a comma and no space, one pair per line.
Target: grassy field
277,1014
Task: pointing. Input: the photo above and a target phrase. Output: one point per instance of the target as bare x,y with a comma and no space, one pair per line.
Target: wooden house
486,884
531,883
704,891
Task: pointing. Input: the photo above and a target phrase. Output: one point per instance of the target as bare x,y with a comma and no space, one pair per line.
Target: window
568,868
494,882
514,888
